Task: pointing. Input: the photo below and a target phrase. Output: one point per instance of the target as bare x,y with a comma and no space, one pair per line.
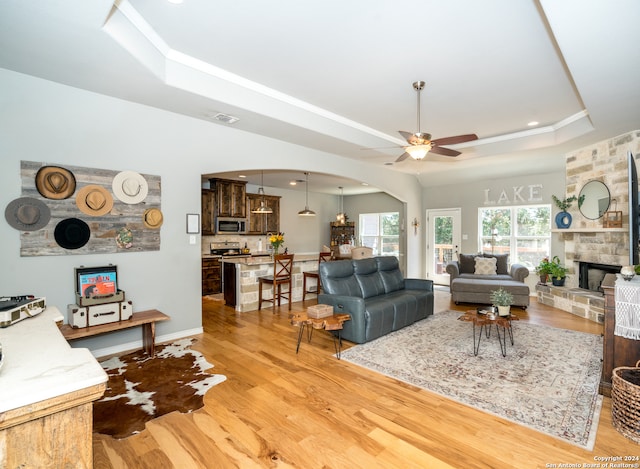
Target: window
523,232
380,231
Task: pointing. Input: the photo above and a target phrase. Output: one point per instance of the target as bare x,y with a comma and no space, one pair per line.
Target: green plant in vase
503,300
563,218
558,272
544,270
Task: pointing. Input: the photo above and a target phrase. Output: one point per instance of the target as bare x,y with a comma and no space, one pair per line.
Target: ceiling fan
420,143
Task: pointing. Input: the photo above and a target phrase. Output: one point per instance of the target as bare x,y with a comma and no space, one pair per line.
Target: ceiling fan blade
444,151
402,157
406,135
456,139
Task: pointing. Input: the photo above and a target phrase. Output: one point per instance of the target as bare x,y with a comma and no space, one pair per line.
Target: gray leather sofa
468,287
376,296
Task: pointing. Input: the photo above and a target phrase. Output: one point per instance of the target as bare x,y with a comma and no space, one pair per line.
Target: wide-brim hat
130,187
94,200
72,233
54,182
27,214
152,218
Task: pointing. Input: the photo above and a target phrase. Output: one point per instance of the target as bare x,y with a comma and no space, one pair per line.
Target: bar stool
282,268
322,257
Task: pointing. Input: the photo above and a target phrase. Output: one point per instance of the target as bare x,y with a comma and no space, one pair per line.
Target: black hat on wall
72,233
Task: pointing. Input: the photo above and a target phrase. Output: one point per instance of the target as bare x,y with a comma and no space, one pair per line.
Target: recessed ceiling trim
189,64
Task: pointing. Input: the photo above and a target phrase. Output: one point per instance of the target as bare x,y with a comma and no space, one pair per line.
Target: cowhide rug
141,388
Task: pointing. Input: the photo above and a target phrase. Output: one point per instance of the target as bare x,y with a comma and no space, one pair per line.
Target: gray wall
502,192
53,123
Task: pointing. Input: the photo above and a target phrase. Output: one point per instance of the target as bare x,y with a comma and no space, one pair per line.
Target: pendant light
306,212
341,217
263,206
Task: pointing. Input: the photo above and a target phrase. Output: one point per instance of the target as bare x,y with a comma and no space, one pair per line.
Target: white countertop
40,364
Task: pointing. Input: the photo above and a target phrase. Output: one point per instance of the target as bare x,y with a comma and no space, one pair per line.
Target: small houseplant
503,300
558,272
544,270
563,218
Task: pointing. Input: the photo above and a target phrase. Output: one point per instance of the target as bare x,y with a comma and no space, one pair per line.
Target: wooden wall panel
103,228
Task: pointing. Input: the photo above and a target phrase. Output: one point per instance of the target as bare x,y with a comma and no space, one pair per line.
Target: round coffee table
485,321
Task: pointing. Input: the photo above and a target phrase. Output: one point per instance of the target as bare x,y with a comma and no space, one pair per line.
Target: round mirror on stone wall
594,199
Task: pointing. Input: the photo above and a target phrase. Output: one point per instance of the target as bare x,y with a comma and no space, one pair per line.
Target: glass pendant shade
263,206
417,152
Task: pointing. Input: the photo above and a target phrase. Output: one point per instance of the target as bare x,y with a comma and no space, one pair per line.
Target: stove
227,249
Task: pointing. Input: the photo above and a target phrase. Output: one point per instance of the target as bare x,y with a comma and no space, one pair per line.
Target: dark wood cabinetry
342,234
617,351
208,208
263,223
229,283
211,276
230,197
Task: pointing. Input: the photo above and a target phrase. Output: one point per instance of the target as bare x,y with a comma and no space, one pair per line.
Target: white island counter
46,394
248,269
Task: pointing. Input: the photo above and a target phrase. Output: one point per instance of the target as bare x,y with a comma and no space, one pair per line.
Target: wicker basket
625,402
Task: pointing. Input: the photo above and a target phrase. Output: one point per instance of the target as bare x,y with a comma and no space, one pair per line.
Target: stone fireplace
591,275
586,242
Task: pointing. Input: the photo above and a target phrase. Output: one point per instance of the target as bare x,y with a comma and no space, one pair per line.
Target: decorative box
612,219
319,311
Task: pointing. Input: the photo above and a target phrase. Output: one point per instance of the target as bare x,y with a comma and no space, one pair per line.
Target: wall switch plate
192,239
465,237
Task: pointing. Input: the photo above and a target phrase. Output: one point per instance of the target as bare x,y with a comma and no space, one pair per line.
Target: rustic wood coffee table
485,321
329,323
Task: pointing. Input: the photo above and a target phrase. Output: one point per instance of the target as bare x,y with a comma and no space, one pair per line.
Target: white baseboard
103,352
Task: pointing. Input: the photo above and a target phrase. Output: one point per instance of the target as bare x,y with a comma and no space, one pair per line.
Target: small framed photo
193,223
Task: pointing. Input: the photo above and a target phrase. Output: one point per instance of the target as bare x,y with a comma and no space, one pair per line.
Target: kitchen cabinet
230,197
263,223
211,276
208,208
342,234
229,271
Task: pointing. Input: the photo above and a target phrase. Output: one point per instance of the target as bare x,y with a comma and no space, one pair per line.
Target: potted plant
503,300
544,270
563,218
558,272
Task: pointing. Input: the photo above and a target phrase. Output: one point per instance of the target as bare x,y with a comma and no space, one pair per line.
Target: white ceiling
337,75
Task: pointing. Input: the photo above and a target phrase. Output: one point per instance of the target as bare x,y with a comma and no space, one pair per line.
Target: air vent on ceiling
225,118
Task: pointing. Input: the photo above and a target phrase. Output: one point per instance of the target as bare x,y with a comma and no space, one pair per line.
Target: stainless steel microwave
231,225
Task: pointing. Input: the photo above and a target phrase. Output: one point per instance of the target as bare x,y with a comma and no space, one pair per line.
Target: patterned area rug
141,388
548,381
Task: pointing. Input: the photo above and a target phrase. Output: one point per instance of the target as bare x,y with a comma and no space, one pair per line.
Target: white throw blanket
627,309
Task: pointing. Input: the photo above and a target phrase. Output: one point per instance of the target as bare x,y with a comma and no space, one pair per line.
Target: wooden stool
322,257
282,268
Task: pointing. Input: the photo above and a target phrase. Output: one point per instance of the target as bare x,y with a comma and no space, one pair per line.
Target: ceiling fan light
418,152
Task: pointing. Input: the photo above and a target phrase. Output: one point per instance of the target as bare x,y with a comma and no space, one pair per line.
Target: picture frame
193,223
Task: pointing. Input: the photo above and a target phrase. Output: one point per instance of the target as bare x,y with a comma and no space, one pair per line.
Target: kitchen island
241,291
46,396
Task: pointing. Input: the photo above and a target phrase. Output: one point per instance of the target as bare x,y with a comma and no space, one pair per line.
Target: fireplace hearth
591,274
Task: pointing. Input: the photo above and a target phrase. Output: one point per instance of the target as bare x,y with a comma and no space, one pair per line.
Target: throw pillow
467,263
485,265
502,264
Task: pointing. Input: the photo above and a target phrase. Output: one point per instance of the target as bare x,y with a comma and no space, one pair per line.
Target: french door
443,242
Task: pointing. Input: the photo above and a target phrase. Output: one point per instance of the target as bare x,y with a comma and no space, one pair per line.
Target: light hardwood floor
310,410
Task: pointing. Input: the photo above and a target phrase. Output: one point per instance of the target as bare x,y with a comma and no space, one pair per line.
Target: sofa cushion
485,266
390,274
368,277
338,278
502,262
480,285
467,263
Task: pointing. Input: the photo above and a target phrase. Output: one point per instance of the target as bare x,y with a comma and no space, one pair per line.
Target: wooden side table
485,322
330,323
